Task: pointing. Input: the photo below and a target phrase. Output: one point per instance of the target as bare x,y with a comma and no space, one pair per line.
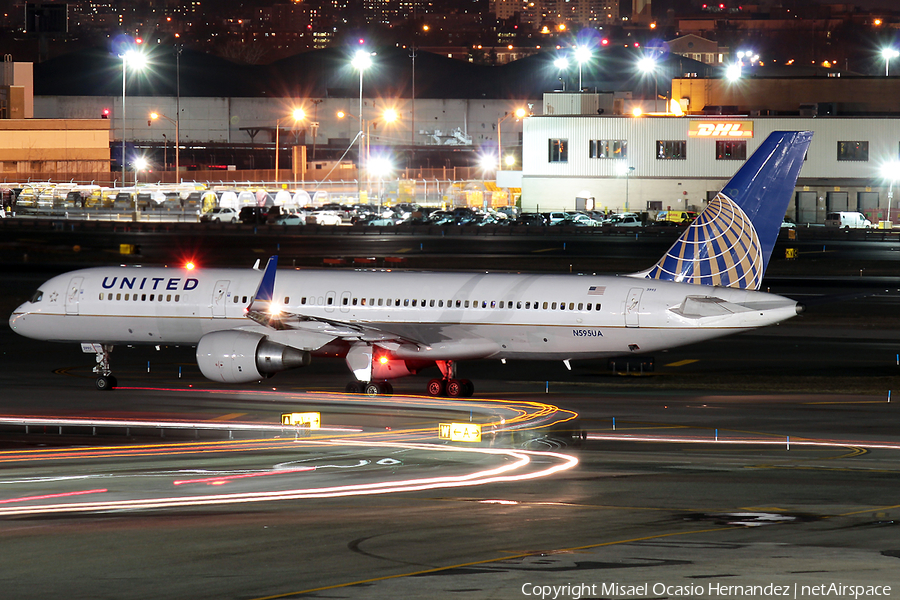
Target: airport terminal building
651,163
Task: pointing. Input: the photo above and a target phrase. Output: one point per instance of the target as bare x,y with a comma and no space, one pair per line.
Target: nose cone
18,320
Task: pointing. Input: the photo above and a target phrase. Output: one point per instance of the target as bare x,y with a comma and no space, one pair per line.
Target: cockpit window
38,295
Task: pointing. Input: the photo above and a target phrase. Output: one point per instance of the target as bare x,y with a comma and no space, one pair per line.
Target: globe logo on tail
719,248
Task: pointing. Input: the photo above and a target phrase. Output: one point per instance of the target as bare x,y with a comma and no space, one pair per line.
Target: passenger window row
423,303
142,297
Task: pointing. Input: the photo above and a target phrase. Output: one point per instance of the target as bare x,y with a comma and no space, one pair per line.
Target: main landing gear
370,388
449,385
454,388
106,380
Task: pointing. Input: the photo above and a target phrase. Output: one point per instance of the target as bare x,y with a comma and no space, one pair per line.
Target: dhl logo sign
721,129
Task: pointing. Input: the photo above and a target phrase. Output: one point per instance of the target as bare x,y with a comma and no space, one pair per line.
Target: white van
847,220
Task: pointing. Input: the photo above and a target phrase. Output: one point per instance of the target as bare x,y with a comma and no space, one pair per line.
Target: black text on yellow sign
313,420
459,432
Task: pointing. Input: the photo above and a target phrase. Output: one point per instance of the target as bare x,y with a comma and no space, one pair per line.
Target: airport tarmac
765,459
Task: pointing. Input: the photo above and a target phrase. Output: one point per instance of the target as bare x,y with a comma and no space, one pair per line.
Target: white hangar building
652,163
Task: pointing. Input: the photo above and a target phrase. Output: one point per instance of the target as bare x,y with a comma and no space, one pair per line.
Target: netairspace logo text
576,591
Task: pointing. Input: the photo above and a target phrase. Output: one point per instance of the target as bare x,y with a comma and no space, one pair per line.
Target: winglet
266,290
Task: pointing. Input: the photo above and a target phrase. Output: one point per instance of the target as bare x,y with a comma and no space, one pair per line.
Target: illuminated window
731,149
545,305
671,149
608,149
287,299
109,297
177,297
856,151
237,299
552,306
559,150
580,306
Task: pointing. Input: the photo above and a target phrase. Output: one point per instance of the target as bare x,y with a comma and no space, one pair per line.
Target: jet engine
245,356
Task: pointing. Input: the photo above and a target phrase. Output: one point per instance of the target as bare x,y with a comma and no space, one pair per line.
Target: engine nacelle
245,356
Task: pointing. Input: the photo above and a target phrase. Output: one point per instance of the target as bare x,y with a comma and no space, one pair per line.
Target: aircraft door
633,308
73,294
220,299
345,301
329,301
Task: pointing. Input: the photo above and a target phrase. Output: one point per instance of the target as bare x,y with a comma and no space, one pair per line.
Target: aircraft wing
264,310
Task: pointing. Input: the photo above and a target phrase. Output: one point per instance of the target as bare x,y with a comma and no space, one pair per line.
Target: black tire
436,387
372,389
387,389
106,383
354,387
455,388
468,388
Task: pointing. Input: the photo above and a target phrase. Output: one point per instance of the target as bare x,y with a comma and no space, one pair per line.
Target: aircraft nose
17,319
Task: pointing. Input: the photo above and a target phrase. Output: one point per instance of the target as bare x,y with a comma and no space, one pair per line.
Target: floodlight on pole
891,172
582,55
298,114
888,54
519,114
138,61
562,63
154,116
648,65
362,60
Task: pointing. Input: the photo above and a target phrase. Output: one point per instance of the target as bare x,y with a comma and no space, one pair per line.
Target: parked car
530,220
294,219
253,215
327,217
788,223
220,214
628,221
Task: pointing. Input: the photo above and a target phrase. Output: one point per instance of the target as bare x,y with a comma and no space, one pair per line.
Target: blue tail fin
730,242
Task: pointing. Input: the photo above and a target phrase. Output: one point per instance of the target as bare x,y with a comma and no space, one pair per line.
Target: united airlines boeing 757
249,324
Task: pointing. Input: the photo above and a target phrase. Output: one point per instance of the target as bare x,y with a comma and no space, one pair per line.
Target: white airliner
249,324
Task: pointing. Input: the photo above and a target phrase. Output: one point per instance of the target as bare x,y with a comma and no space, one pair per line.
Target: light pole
388,116
153,117
519,114
625,170
888,54
297,115
362,60
891,172
138,60
648,65
582,55
562,64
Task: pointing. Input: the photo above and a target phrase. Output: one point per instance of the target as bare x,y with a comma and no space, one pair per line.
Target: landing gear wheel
436,387
106,382
387,389
455,388
354,387
372,389
468,388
